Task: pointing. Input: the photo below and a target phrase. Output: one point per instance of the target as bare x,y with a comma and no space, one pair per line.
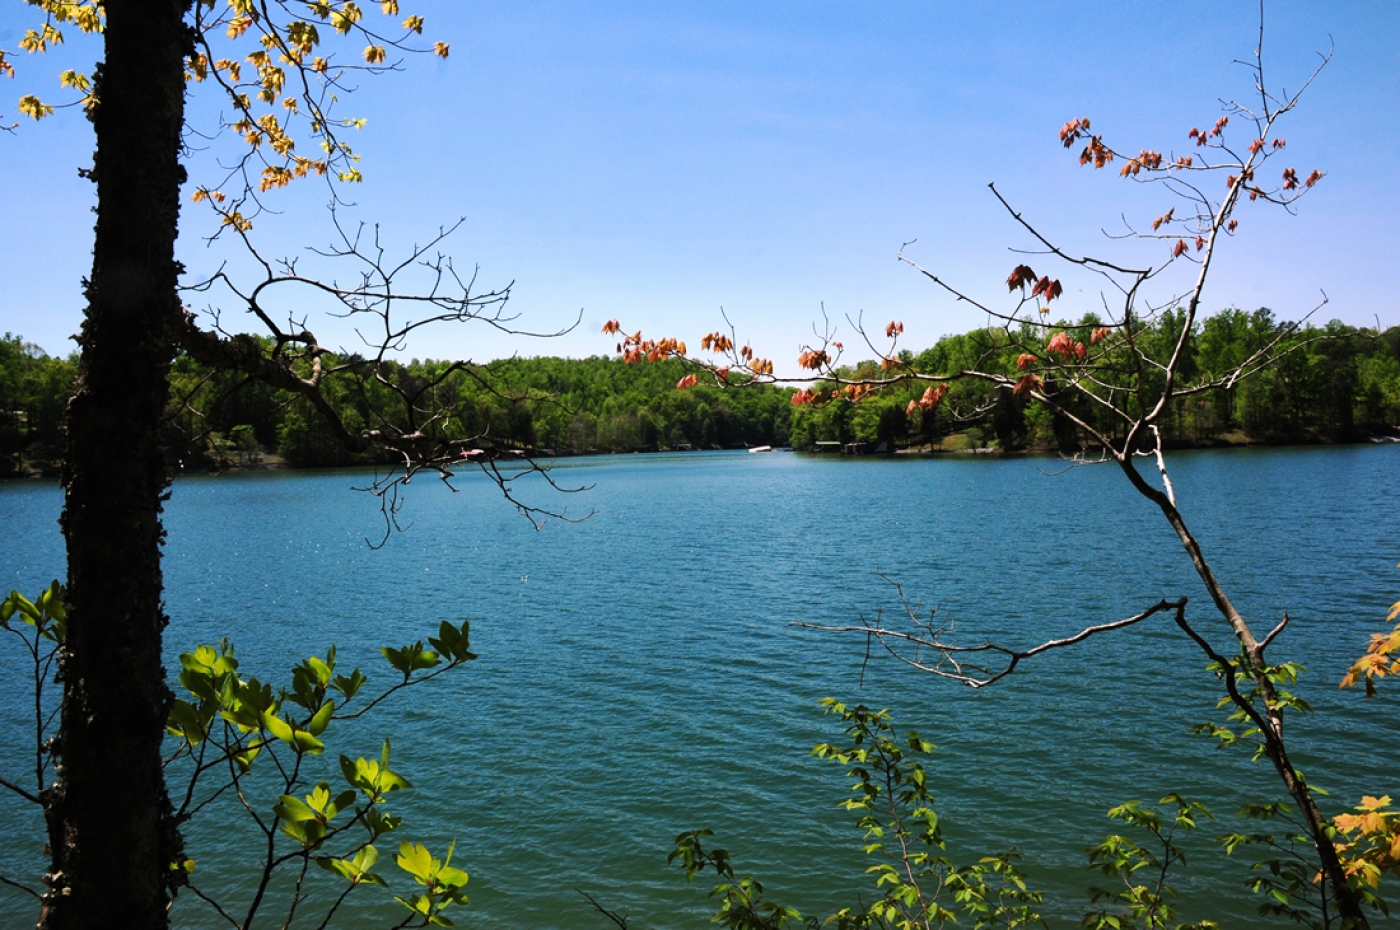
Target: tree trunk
111,835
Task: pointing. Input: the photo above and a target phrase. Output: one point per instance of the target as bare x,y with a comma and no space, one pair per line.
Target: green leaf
185,721
322,717
415,859
349,685
322,670
305,742
294,809
277,726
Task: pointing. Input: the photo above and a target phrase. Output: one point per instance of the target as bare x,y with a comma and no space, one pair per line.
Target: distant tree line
1337,384
546,405
1341,384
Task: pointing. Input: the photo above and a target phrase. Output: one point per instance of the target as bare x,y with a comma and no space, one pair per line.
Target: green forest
1338,384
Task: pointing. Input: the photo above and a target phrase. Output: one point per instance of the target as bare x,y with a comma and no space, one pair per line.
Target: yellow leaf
74,79
234,69
374,54
414,24
32,106
40,41
89,18
440,49
390,7
239,25
346,17
302,36
274,176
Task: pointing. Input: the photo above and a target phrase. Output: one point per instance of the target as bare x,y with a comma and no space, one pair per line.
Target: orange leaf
1061,345
932,396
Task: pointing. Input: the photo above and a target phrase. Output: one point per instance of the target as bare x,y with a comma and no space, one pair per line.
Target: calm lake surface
639,675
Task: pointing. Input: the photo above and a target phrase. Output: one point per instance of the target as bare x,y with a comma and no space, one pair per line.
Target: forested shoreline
1339,384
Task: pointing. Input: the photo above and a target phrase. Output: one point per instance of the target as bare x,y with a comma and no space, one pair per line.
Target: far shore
272,462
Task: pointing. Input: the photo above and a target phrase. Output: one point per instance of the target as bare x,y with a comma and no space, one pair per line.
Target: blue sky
656,162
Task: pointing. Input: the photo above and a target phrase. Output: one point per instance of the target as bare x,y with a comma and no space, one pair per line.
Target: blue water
639,675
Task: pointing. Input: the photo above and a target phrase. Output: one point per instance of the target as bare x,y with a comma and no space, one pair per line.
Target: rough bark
112,839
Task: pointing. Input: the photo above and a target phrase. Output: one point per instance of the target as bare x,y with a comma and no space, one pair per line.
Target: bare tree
1119,370
1115,378
390,301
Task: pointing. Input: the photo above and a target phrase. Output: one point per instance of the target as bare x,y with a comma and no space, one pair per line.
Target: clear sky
656,162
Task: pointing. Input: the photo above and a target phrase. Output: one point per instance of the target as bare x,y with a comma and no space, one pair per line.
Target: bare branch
951,660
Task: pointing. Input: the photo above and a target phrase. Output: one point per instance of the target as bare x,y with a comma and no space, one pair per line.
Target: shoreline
53,470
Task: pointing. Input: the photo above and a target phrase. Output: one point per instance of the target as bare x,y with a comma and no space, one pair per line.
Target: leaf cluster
239,748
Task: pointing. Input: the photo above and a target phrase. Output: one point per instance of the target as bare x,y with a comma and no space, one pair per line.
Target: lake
639,674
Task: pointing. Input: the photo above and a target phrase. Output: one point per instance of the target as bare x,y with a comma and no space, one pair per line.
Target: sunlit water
639,674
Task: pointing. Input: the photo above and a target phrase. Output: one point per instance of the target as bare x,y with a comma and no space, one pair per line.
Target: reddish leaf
932,396
1021,275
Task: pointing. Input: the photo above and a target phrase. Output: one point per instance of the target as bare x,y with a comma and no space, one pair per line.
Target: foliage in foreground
918,885
238,736
241,753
